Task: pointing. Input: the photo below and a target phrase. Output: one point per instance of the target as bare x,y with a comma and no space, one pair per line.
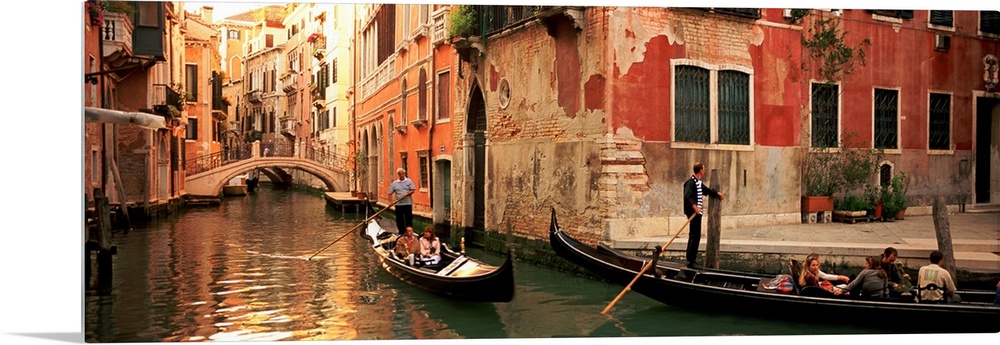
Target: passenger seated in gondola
430,247
871,282
406,244
810,276
935,274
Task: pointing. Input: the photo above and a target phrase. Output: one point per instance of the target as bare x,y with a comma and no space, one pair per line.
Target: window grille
825,115
692,104
939,121
886,118
734,108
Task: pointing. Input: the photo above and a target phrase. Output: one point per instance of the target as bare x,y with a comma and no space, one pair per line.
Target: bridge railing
277,149
328,159
219,159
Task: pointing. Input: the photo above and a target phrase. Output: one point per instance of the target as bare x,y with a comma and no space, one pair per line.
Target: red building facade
600,112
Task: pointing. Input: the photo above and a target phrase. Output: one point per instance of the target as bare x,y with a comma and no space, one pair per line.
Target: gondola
751,294
457,276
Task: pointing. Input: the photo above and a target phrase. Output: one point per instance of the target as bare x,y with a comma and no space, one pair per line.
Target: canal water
238,271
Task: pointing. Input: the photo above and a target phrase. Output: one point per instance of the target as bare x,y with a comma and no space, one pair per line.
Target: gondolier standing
694,195
404,208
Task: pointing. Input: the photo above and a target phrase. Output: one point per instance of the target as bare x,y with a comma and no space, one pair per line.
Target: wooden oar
646,267
362,223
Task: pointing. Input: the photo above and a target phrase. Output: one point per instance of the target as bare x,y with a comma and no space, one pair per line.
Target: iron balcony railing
328,159
164,97
494,19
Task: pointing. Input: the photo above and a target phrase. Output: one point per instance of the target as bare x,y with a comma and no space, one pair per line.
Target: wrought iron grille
497,18
692,104
825,112
734,108
940,118
886,118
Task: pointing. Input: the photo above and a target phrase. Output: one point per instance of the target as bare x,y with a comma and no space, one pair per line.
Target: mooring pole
104,248
714,225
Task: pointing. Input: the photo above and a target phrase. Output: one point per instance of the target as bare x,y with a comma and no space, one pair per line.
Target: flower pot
878,211
899,215
812,204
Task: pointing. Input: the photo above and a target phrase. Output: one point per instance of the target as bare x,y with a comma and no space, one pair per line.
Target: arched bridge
207,175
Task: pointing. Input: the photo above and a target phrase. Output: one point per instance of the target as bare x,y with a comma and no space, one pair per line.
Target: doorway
987,120
477,127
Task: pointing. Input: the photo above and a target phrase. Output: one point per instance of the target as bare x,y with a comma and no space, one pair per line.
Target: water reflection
239,272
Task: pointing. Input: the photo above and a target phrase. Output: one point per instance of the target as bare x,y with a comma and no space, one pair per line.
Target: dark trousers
404,217
694,236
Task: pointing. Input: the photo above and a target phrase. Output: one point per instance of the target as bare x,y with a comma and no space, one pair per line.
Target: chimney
206,14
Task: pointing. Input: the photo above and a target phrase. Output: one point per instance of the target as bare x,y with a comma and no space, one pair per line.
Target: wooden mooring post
942,228
714,225
104,248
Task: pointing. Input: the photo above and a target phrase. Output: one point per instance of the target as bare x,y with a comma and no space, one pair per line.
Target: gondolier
694,196
398,189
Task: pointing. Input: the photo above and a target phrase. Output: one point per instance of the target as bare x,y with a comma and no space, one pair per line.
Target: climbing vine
825,44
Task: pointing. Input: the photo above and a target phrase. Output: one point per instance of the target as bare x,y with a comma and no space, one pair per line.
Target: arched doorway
476,126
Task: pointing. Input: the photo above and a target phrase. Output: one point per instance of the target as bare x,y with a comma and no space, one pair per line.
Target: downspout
430,132
354,99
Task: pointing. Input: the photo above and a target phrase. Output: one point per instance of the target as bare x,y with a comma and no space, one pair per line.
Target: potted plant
360,169
893,197
851,208
821,180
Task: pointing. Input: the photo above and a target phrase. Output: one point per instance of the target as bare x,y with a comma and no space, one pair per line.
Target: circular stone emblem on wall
504,93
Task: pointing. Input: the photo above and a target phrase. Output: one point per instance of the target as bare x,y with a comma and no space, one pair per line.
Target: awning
140,119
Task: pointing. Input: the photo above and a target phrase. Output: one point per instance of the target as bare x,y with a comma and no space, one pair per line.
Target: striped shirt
697,185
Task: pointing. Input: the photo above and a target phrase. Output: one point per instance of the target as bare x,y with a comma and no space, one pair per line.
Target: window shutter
943,18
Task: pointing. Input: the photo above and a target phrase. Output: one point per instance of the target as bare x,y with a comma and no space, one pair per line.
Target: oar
362,223
644,268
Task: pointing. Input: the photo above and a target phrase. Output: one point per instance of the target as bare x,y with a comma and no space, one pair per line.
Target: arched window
422,95
402,92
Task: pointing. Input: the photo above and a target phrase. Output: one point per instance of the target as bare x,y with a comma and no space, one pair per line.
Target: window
989,22
148,14
424,168
939,133
333,71
95,171
444,96
711,106
825,114
192,130
191,79
901,14
886,118
942,18
402,114
234,34
93,86
403,163
334,120
268,40
422,95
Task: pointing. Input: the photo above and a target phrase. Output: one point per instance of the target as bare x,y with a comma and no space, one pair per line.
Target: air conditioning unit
942,42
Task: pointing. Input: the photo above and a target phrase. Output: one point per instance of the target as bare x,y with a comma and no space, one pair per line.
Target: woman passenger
810,275
430,247
872,281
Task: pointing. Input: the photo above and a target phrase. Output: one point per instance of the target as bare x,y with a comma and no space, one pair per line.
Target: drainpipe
430,133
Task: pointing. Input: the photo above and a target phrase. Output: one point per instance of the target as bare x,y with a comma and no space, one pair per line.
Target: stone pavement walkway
975,239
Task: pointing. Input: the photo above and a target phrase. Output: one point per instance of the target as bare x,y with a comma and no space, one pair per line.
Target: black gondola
457,276
747,293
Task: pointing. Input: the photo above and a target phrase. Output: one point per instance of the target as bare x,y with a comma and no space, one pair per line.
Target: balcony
439,31
117,34
254,96
290,83
288,126
166,101
318,45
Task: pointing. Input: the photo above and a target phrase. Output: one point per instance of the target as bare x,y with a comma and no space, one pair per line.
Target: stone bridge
212,172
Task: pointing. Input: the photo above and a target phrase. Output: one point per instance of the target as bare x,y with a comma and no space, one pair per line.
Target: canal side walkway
975,240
